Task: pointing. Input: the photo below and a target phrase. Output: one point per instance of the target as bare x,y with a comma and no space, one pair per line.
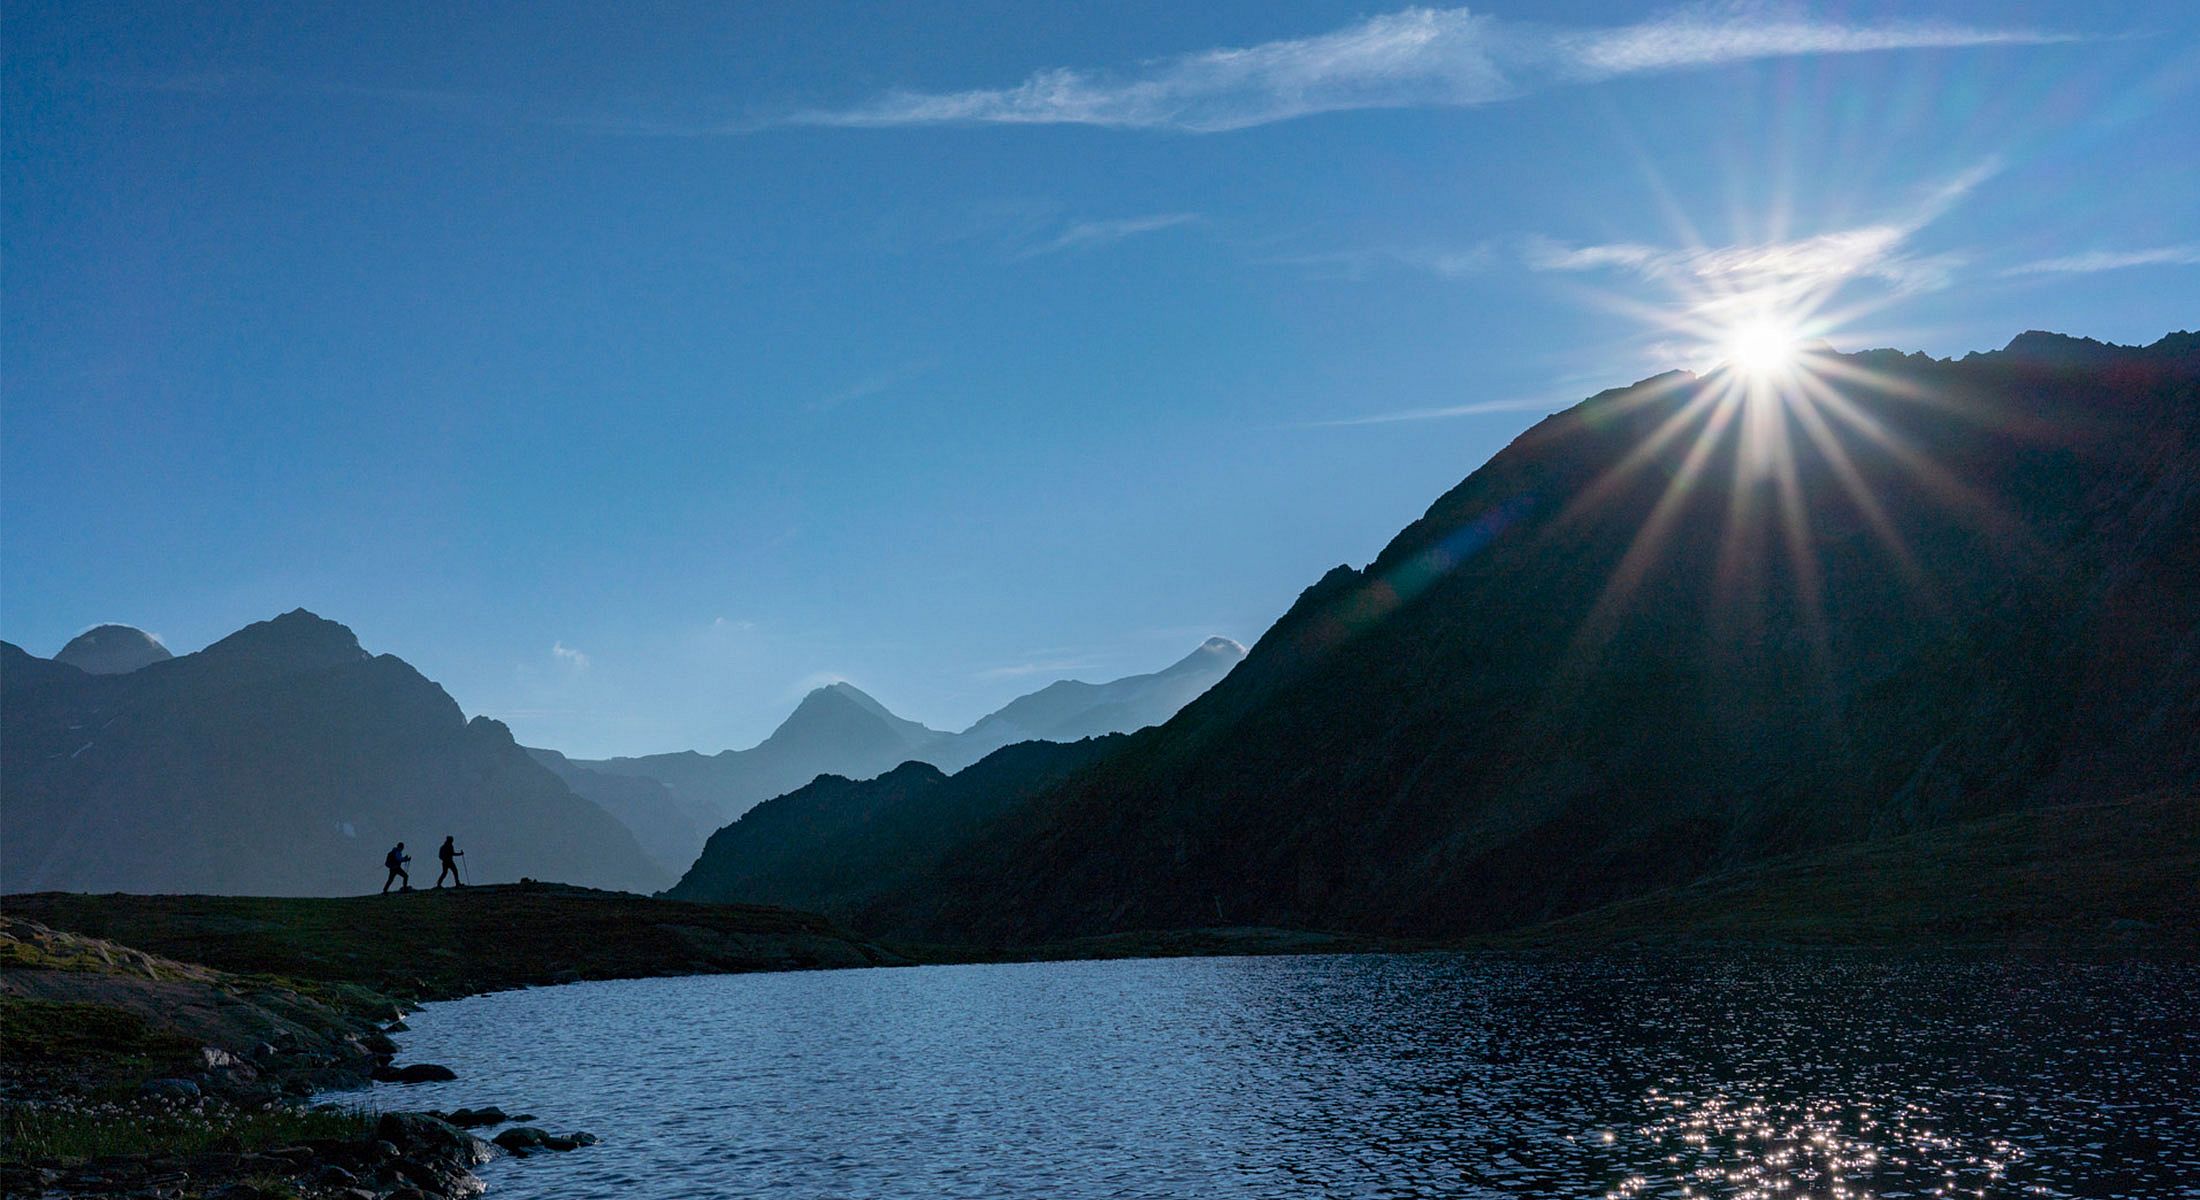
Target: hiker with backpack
395,860
450,854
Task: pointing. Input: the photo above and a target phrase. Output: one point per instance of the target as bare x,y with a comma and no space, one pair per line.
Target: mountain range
1686,628
838,730
281,760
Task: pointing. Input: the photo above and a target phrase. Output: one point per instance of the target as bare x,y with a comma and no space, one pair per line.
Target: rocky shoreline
131,1073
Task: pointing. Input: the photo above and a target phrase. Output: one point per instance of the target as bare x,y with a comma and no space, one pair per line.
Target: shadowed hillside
1681,628
833,845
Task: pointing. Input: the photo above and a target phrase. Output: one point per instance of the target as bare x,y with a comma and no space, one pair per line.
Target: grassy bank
2100,878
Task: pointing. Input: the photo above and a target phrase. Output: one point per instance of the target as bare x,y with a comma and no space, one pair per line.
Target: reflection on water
1369,1076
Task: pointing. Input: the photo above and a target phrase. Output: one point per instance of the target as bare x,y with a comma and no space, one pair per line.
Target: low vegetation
72,1130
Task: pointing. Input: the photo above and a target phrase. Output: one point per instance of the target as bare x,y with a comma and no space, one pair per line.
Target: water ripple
1753,1078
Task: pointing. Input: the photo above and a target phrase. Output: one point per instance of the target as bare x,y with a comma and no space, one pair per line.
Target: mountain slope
283,759
1679,628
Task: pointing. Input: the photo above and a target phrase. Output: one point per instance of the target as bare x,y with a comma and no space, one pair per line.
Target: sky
631,369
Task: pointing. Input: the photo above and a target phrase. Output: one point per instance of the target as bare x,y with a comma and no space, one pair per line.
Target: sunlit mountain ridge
1679,628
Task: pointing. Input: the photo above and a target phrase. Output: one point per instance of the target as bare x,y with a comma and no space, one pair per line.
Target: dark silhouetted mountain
112,650
281,760
838,730
670,828
1679,629
830,846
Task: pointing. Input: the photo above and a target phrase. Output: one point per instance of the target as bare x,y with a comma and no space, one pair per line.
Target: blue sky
629,369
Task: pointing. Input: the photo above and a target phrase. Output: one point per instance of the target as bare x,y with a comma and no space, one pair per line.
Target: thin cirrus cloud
1444,262
1087,234
1435,414
1781,272
2184,255
1418,57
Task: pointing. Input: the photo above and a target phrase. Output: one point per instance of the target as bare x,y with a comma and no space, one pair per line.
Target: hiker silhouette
395,860
450,854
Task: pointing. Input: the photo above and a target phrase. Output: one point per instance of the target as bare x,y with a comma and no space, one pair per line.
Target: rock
216,1058
378,1043
332,1176
414,1073
171,1089
526,1139
397,1027
473,1118
425,1137
521,1139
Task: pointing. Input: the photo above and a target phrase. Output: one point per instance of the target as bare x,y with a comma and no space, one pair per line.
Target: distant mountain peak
112,650
297,640
1210,652
840,693
838,710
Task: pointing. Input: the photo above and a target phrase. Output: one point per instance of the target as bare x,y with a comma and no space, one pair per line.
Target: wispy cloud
1418,57
1435,414
2184,255
1084,234
1759,274
1761,268
568,657
875,384
1708,35
1445,262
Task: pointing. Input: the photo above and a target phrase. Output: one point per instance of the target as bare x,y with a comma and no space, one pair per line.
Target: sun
1763,347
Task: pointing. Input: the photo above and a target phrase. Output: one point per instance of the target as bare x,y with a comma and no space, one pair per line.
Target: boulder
473,1118
171,1089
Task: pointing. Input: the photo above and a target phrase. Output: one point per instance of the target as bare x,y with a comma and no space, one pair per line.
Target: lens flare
1768,346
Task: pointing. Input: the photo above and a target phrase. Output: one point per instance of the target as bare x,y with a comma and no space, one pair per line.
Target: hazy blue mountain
839,730
282,760
669,827
1071,709
836,730
1669,632
112,650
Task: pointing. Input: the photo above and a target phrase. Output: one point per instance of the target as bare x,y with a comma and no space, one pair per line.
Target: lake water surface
1360,1076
